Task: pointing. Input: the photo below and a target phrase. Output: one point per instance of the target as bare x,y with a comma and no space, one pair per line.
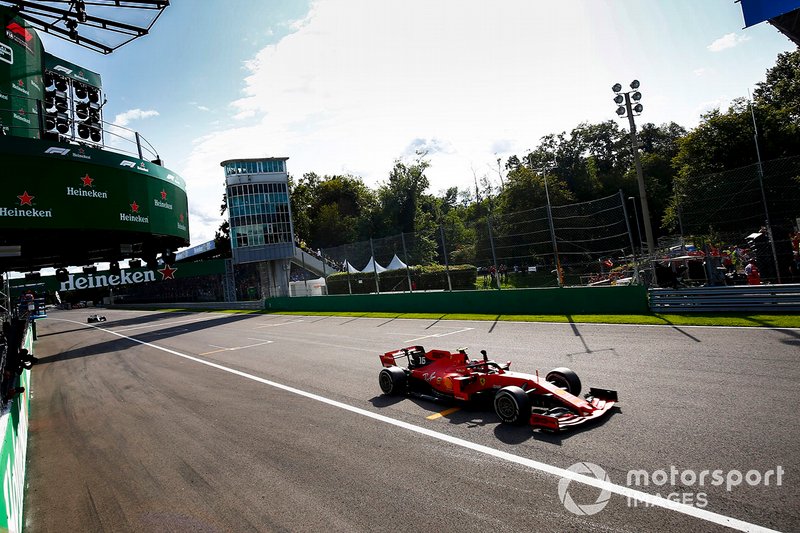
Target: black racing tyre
392,380
512,405
566,379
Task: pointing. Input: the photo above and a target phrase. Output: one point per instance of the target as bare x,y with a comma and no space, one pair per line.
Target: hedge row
423,278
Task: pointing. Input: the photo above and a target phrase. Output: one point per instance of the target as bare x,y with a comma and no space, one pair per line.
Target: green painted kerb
555,301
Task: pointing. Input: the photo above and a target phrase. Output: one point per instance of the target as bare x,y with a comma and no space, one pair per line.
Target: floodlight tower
627,107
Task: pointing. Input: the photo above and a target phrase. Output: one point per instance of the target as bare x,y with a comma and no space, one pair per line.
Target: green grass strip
707,319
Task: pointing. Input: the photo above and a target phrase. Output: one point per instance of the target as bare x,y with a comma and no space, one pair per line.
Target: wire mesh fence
749,212
577,244
721,222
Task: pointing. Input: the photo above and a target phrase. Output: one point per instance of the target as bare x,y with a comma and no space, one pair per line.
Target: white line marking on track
279,324
462,330
159,324
234,348
621,490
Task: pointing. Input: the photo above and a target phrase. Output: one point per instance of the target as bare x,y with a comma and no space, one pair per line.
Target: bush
430,277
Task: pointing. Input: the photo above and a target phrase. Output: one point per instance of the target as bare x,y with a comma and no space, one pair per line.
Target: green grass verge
710,319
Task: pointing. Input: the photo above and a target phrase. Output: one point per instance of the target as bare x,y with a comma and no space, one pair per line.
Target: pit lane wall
14,425
550,301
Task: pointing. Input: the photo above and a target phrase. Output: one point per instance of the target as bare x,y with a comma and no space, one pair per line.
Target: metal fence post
491,243
446,261
405,256
374,266
553,235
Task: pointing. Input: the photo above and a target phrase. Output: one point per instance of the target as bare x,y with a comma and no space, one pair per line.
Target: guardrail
744,298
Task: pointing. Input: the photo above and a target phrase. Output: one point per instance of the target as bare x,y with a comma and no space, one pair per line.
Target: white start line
562,473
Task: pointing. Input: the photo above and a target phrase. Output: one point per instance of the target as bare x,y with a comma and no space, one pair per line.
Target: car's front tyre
512,405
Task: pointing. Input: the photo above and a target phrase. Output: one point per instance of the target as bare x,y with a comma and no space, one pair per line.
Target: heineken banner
50,185
107,279
21,83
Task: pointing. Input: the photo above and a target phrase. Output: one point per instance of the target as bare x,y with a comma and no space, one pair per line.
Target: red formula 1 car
550,403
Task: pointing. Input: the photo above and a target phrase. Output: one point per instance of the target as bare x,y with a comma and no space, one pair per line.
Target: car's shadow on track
479,413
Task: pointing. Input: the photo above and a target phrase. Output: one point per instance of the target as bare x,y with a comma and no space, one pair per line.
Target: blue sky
349,86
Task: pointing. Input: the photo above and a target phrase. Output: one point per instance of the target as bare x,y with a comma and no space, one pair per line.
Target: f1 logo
127,163
57,150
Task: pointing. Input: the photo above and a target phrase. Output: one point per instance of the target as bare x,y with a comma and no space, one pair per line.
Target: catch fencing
754,208
566,245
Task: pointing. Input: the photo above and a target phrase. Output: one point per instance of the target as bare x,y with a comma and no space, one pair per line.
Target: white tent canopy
350,268
396,264
372,266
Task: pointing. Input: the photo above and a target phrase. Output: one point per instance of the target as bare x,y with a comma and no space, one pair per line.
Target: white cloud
203,108
727,41
123,119
359,84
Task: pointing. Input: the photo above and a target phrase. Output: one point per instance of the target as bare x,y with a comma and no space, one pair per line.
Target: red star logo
25,199
20,83
135,207
181,217
163,194
87,181
167,272
21,111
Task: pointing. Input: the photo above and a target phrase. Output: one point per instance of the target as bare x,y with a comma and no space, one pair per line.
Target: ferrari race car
552,403
95,318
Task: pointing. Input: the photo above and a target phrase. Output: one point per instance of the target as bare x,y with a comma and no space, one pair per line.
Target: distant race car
96,318
550,403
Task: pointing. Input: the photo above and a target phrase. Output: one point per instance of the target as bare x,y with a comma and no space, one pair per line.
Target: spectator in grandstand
752,273
794,266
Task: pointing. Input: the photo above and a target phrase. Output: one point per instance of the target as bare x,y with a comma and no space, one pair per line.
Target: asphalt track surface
209,422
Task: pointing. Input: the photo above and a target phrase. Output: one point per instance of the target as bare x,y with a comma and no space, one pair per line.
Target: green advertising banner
50,185
14,428
21,83
105,278
71,70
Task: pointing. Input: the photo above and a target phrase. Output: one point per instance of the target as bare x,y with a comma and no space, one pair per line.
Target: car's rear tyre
566,379
512,405
392,380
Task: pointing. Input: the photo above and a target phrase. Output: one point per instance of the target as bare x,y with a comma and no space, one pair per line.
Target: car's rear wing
390,358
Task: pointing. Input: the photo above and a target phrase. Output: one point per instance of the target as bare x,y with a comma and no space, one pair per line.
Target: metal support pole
648,229
559,273
630,234
636,216
491,242
305,272
405,256
764,196
446,261
138,144
374,266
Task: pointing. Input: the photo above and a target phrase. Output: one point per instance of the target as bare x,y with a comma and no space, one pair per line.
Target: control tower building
260,218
